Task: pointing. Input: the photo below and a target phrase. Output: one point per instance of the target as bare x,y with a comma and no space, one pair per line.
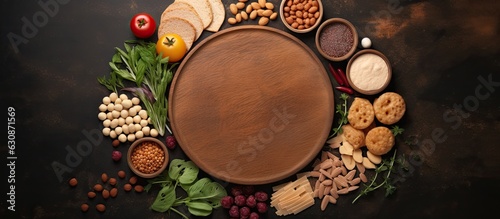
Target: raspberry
248,190
254,215
251,202
244,212
261,196
227,201
234,211
236,190
262,207
240,200
170,140
116,155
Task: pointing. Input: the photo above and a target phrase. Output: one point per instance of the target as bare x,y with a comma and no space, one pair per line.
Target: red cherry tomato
143,25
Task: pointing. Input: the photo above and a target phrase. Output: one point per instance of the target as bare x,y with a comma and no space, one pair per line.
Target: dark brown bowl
357,88
139,142
329,22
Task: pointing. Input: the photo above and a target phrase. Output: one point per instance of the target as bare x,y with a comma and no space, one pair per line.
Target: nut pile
124,119
301,14
107,188
332,178
243,11
352,156
148,157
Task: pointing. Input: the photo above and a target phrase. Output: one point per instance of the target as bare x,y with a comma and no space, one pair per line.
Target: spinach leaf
199,208
185,172
164,199
205,189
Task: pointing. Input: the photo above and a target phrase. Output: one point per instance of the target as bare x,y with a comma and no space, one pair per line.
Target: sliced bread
203,9
180,26
187,12
218,15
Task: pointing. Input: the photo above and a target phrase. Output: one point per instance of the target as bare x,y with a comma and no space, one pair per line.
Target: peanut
100,207
259,8
297,13
263,21
231,20
233,8
73,182
85,207
240,5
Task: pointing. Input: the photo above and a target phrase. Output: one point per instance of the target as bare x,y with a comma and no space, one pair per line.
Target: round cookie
379,140
354,136
361,113
389,108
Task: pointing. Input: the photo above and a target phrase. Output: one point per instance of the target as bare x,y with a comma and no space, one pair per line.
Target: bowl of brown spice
336,39
147,157
301,16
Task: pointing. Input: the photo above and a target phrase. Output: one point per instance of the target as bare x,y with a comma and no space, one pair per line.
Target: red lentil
148,157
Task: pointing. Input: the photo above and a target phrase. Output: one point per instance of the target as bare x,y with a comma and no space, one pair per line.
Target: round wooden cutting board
251,105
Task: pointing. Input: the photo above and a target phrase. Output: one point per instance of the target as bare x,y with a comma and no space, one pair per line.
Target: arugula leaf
165,199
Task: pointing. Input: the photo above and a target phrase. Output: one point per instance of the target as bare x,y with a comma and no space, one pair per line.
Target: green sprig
396,130
386,167
341,109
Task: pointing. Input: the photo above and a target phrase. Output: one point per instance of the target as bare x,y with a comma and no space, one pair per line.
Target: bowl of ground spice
147,157
336,39
369,72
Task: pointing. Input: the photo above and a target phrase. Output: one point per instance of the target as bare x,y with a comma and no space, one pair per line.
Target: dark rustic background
443,54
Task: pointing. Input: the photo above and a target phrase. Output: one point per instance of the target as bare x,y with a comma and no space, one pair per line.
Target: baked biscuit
389,108
379,140
361,113
354,136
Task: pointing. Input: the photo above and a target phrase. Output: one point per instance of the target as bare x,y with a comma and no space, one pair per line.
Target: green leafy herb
341,109
165,199
112,83
396,130
384,169
185,172
203,195
205,189
140,64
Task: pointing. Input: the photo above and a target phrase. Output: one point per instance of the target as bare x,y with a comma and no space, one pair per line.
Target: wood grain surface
251,105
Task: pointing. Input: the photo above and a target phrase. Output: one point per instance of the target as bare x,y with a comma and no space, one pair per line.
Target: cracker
389,108
379,140
354,136
361,113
